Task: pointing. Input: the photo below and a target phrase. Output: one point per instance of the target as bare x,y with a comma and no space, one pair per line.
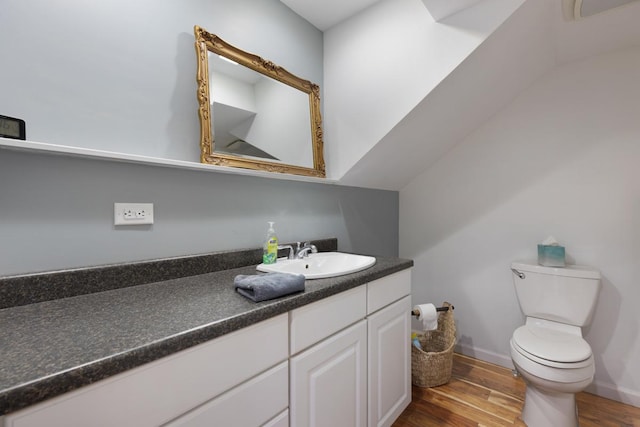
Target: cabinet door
329,382
389,363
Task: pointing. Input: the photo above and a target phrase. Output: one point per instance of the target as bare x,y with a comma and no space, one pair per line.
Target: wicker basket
432,367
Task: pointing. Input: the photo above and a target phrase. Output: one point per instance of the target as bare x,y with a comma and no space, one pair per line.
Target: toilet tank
567,295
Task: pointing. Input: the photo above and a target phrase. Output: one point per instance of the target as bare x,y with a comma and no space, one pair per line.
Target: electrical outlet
132,213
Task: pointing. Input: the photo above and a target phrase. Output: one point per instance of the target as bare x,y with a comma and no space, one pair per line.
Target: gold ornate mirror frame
207,42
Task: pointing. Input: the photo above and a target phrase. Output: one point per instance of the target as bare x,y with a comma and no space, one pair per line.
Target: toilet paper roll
427,315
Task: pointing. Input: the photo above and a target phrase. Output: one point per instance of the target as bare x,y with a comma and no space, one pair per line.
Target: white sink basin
320,265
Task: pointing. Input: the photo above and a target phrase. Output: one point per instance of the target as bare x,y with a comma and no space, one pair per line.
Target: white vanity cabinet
351,356
223,370
341,361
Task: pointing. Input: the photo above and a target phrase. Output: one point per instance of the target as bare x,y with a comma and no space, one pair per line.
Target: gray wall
57,212
120,76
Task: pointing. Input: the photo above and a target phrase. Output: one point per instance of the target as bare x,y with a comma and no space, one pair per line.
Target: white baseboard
487,356
613,392
606,390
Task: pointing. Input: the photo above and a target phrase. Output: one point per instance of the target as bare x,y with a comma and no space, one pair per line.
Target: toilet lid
548,344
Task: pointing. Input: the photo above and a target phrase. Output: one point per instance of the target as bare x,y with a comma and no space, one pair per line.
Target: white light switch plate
132,213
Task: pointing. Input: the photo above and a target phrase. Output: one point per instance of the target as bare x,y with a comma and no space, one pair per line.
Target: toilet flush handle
520,274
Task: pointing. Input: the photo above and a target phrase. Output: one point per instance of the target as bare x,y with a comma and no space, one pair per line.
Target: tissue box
551,255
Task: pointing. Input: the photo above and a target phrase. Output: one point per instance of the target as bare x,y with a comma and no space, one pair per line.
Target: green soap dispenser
270,248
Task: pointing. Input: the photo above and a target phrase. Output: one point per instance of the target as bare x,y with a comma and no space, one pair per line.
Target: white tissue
427,315
550,241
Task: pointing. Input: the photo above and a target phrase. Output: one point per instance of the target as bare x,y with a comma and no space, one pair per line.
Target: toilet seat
552,347
556,376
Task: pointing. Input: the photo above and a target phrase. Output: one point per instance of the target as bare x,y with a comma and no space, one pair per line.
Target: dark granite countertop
51,347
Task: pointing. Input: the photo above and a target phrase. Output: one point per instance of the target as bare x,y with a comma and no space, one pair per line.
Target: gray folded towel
261,287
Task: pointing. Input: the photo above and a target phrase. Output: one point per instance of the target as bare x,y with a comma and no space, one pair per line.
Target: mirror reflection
255,114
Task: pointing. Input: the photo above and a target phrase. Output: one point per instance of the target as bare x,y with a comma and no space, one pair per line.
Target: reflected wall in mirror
255,114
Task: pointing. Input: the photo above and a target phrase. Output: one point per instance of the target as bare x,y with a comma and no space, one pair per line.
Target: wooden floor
482,394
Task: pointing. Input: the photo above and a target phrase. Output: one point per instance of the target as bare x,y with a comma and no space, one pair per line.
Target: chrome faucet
301,250
304,250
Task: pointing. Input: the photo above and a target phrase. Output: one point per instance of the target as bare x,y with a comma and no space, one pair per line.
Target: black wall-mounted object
10,127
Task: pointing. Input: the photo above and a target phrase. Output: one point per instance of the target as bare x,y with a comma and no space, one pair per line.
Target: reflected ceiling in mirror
255,114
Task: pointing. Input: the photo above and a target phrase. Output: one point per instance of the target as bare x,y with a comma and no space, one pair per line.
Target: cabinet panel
251,404
316,321
386,290
328,381
389,362
162,390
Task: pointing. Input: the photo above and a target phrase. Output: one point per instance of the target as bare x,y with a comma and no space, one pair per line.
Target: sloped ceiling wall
516,54
382,63
399,96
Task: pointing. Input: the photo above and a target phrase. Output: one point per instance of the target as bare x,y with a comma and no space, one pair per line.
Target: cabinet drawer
386,290
317,321
252,403
160,391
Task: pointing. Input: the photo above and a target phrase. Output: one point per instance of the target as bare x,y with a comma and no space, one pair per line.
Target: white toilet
548,351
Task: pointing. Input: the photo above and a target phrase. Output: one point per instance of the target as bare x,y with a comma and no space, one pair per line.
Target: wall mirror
255,114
